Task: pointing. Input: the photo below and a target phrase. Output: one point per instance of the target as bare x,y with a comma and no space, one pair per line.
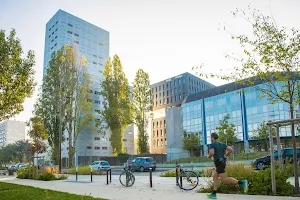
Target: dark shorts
220,166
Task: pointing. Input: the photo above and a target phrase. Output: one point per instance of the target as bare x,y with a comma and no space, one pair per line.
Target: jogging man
218,151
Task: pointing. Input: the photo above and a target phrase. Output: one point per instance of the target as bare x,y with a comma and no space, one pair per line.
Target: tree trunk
70,147
295,151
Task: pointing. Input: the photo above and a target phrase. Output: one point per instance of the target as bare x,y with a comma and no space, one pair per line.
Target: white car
100,165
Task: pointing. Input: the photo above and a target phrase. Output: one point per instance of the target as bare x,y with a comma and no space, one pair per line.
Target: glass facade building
246,106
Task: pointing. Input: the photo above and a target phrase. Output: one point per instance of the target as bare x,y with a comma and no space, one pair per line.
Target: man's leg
216,182
243,183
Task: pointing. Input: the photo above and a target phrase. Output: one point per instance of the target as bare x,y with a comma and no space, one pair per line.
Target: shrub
238,171
27,173
288,167
172,173
3,168
45,176
84,170
260,183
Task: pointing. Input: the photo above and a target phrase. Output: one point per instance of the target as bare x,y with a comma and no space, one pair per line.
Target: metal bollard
110,175
91,174
107,176
176,174
76,173
180,181
150,177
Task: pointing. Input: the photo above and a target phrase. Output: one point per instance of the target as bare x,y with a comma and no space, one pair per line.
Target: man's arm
211,152
229,151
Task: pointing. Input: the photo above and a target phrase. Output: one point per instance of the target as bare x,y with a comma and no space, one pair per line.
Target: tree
117,111
57,89
142,107
191,141
227,133
262,135
16,75
81,113
271,56
38,134
17,152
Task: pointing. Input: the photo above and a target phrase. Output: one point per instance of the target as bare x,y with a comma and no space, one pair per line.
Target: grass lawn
10,191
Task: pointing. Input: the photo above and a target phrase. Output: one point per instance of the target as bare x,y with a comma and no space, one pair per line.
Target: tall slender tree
227,132
142,108
271,56
16,75
117,111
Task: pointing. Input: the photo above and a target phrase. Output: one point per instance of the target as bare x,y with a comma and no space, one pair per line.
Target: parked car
142,164
130,159
100,165
286,153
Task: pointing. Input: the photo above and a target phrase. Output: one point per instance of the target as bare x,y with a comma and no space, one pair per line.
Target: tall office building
93,43
169,94
11,131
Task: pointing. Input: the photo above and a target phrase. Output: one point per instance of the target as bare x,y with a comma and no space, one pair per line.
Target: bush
260,183
3,168
238,171
172,173
288,167
32,173
84,170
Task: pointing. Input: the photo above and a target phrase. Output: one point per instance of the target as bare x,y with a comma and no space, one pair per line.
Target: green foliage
262,135
142,108
260,183
227,133
34,173
9,191
172,173
191,141
84,170
16,75
16,152
271,56
123,157
117,111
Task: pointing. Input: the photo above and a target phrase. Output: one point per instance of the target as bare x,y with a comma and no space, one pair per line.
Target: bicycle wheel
188,180
127,179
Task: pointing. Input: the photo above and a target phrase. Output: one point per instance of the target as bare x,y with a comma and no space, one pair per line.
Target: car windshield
104,163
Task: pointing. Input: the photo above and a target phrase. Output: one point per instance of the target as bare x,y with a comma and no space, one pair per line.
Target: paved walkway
163,188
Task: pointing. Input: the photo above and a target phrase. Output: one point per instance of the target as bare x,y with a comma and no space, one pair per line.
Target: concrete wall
174,134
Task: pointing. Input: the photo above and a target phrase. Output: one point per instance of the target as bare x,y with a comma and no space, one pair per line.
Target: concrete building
93,43
201,113
11,131
168,94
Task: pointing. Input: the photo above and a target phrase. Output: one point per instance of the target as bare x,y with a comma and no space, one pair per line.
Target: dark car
286,153
142,164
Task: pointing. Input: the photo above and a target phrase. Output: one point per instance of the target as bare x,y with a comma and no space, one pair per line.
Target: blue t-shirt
220,149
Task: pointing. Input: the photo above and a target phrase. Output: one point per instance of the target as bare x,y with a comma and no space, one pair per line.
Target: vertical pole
76,173
107,177
272,160
176,174
91,174
60,133
180,181
279,148
110,175
150,177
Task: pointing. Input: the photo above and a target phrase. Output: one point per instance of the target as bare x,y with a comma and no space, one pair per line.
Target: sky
163,37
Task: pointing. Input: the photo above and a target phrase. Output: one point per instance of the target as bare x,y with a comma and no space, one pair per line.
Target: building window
159,88
97,138
97,148
157,124
153,133
161,133
167,85
165,132
75,41
70,32
97,111
89,147
155,89
163,94
171,99
76,34
163,87
97,102
167,92
175,98
167,100
165,123
180,97
98,93
70,25
160,123
161,142
154,143
49,29
165,141
104,148
153,125
55,37
95,56
95,63
157,133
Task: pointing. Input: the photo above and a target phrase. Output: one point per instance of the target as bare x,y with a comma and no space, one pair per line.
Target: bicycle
128,176
187,176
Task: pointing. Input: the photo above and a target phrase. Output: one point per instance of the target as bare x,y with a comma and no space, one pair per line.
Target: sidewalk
163,188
